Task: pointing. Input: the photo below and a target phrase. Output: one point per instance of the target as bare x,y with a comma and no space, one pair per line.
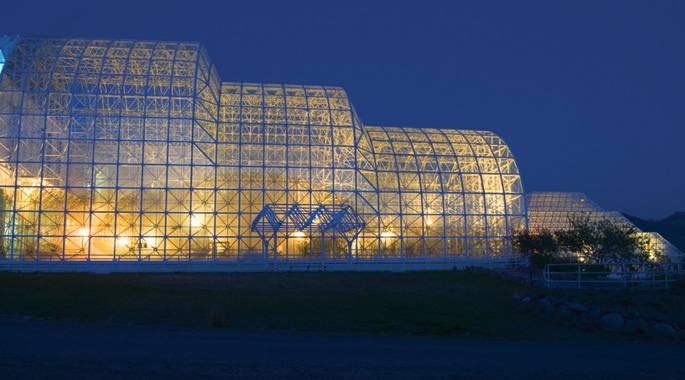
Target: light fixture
388,234
298,234
196,220
150,241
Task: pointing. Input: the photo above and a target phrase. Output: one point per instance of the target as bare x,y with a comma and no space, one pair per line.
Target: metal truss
118,150
340,220
7,44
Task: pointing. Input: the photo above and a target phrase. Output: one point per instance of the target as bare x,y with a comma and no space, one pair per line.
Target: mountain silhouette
672,227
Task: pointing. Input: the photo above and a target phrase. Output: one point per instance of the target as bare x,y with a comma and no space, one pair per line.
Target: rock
578,307
635,326
553,301
612,322
633,314
586,319
546,305
538,297
591,317
565,312
663,330
595,313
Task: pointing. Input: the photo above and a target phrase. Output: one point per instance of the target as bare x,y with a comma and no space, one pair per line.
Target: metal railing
612,276
257,265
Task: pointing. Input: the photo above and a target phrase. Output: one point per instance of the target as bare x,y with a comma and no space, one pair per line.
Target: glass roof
7,43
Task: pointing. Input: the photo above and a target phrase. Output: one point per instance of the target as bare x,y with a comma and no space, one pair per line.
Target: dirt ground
32,349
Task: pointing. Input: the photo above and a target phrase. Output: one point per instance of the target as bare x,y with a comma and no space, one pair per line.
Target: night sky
590,95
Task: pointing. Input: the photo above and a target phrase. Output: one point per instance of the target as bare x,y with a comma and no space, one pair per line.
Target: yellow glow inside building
118,150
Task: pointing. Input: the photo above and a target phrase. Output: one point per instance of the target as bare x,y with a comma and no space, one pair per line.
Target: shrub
540,248
603,241
591,241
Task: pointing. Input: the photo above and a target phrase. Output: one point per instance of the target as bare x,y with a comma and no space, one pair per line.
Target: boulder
663,330
612,322
591,317
554,301
564,311
578,307
587,319
635,325
595,313
633,314
546,305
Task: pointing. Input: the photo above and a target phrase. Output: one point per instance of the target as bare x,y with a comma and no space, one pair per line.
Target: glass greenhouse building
136,150
115,150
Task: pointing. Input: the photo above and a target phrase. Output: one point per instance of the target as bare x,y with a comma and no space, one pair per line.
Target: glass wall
283,145
135,150
554,211
446,192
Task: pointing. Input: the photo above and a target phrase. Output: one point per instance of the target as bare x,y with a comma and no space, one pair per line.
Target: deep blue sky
590,95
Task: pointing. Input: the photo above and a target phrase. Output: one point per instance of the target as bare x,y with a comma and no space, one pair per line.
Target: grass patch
426,303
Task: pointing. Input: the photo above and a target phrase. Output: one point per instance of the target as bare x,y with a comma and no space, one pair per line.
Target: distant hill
678,218
671,227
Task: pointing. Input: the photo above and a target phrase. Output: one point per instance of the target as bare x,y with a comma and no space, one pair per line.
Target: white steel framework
117,150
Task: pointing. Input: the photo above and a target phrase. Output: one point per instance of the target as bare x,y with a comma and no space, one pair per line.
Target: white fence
612,276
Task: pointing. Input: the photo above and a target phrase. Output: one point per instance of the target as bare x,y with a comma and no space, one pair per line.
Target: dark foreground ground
313,325
59,350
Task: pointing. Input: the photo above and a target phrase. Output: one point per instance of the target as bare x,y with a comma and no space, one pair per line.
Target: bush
603,241
585,240
541,248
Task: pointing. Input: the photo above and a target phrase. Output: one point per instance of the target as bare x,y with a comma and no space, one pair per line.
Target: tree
603,241
540,248
591,241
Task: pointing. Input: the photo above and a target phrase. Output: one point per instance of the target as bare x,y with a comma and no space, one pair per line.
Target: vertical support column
275,247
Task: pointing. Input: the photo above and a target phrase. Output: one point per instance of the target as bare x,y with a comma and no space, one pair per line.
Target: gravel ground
66,350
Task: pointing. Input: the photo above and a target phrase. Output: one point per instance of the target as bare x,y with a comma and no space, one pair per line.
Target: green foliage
541,248
603,241
585,240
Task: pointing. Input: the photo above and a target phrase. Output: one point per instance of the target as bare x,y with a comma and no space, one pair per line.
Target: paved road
57,350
